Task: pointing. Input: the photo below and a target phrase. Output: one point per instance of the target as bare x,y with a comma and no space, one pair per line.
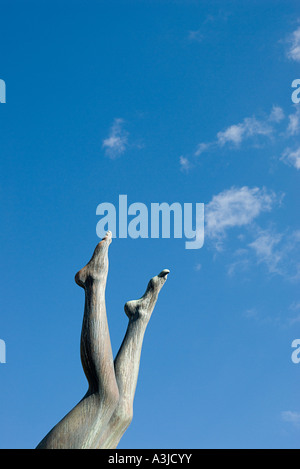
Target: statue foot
143,307
97,267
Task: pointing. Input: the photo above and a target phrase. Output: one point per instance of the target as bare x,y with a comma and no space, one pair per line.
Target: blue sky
174,101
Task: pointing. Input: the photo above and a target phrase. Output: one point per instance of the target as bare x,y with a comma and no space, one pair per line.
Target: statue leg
128,360
83,425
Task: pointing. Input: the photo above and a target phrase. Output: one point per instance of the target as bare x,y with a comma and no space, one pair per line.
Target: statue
103,415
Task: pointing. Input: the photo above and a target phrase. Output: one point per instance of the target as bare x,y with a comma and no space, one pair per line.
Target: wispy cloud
195,35
234,134
293,51
185,164
250,127
239,265
256,132
291,157
295,306
236,207
291,417
277,251
250,313
209,25
239,209
117,141
294,122
202,147
265,246
276,114
294,310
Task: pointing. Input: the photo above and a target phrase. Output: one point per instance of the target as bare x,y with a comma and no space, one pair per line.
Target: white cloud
291,157
250,127
293,52
234,134
257,131
196,35
117,141
240,208
295,306
185,164
201,148
277,114
250,313
264,247
236,207
241,265
255,127
208,26
294,122
279,252
292,417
